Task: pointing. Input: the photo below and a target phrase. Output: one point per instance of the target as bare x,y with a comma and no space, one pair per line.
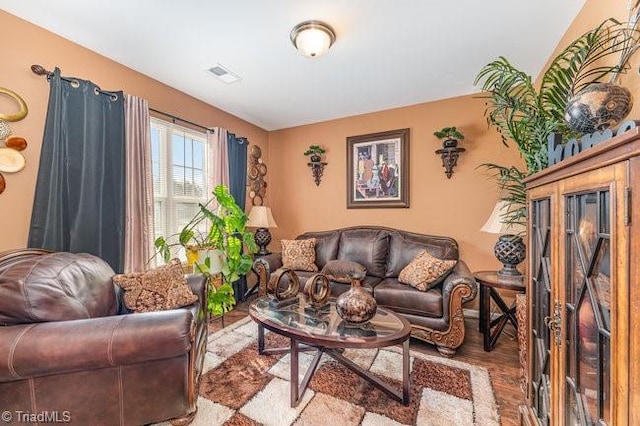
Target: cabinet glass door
587,309
541,307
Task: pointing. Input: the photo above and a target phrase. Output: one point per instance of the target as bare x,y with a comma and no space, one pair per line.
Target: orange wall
34,45
455,207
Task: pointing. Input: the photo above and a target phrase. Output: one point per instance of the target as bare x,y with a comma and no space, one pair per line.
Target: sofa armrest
41,349
264,266
461,275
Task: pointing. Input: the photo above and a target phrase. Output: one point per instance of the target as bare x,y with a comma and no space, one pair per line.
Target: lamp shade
261,217
495,224
312,38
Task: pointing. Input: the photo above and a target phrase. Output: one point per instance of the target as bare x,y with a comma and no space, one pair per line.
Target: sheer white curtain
139,185
218,158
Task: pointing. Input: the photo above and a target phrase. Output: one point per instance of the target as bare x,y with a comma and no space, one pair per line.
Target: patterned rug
240,387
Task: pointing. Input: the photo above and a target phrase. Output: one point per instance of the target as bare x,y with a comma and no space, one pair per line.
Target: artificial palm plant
527,114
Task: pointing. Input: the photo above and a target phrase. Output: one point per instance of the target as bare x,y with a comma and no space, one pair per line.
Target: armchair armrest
198,284
32,350
264,266
461,275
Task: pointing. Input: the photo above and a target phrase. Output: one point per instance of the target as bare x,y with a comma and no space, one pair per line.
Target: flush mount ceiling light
312,38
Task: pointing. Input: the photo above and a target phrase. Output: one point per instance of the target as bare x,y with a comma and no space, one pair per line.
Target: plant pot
214,256
356,305
315,158
450,143
598,107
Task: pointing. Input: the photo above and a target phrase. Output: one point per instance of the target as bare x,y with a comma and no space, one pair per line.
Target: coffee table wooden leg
406,378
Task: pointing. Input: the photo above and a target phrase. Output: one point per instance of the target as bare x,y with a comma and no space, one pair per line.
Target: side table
490,282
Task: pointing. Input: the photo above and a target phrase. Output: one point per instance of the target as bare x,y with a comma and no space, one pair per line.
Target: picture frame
378,170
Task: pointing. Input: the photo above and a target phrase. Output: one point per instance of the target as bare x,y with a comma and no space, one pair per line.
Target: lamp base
263,238
510,250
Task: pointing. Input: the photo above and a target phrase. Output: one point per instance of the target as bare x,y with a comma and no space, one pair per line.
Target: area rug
240,387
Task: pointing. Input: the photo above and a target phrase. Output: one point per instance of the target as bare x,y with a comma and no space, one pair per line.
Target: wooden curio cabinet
583,288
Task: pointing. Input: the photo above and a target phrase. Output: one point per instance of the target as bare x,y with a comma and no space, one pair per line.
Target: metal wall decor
256,172
11,160
449,158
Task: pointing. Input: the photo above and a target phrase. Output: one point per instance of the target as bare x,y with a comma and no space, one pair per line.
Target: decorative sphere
598,107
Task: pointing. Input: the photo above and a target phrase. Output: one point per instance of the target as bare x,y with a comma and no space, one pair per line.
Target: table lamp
260,217
510,249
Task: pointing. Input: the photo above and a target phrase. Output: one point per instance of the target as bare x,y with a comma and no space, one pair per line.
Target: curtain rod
40,70
174,119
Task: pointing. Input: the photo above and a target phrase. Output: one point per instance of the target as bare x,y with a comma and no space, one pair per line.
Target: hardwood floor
502,361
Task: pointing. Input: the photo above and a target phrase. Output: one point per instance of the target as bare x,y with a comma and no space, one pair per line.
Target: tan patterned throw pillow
424,270
156,290
299,255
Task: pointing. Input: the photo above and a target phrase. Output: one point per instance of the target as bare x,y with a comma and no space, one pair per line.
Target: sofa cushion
159,289
343,271
56,287
299,255
405,246
326,245
425,271
391,293
368,247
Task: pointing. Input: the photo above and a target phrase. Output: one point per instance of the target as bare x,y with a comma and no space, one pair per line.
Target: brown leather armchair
69,346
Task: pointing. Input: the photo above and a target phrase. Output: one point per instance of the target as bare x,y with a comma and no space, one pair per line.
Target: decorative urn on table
356,305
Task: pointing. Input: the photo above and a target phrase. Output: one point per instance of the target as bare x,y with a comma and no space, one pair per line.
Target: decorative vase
356,305
598,107
315,158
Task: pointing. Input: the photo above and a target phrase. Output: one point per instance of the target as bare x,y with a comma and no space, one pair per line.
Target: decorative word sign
558,152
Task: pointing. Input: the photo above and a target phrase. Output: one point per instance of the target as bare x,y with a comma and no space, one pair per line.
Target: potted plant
527,114
451,136
218,246
315,152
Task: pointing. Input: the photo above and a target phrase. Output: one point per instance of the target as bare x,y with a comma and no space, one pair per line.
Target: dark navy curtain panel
237,148
80,193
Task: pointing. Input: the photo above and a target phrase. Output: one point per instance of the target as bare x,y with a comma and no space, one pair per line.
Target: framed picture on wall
378,170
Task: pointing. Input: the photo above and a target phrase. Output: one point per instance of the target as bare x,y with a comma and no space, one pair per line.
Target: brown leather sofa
69,346
436,316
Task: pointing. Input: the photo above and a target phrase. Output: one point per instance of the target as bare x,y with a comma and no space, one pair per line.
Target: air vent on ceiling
223,74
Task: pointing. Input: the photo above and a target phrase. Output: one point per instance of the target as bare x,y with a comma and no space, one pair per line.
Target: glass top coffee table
326,333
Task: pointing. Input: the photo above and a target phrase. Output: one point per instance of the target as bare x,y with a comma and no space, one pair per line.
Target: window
178,158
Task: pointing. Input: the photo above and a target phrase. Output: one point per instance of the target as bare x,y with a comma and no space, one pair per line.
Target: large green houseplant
218,228
527,114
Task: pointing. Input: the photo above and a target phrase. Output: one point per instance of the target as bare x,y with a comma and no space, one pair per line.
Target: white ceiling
387,53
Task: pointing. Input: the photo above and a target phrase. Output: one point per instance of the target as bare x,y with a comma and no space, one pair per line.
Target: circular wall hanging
256,152
22,112
16,142
11,161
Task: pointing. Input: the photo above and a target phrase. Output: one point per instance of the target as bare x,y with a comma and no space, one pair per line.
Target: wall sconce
449,159
315,153
317,168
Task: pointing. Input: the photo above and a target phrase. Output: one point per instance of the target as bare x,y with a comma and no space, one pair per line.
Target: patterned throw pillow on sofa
299,255
159,289
424,270
342,271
